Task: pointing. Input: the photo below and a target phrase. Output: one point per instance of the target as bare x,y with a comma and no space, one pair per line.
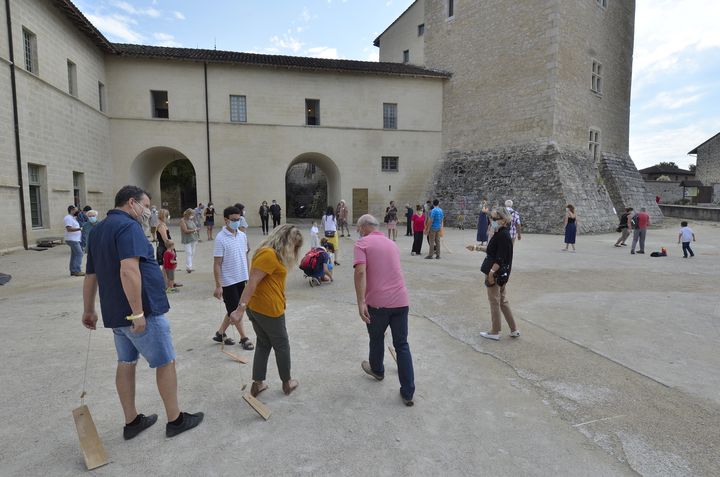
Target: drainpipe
207,133
16,123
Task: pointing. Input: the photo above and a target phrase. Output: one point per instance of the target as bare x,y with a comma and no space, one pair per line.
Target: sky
675,102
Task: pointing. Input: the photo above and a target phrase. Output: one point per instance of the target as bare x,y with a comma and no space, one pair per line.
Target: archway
168,176
312,182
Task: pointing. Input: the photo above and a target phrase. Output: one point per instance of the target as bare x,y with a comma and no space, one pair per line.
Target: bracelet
135,317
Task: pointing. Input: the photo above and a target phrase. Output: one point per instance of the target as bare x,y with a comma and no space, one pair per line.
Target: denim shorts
154,344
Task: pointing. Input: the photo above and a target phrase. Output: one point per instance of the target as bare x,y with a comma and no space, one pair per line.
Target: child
169,266
314,242
685,235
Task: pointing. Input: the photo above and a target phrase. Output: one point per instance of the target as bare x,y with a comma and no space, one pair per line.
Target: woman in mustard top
264,301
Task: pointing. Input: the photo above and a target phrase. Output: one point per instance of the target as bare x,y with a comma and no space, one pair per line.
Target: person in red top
169,265
383,301
418,226
639,225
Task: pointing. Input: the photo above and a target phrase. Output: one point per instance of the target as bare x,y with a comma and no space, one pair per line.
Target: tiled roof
666,170
83,24
275,61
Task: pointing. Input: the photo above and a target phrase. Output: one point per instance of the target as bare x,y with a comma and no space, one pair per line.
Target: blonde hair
188,213
91,213
170,244
163,214
286,240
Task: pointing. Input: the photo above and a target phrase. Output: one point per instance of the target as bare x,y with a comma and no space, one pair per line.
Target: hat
508,203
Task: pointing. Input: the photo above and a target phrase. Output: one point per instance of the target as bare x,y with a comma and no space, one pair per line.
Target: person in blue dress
570,222
483,223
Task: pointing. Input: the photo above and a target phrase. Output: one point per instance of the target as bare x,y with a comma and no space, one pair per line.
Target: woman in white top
329,224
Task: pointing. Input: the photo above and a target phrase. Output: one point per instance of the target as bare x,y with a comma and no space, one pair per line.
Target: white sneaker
514,334
490,336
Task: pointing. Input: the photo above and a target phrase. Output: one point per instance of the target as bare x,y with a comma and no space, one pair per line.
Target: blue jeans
397,319
76,255
686,248
154,344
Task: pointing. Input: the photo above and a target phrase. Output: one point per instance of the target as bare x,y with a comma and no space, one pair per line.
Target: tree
671,165
692,167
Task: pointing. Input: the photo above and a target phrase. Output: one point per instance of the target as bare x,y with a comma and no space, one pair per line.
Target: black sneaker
189,421
145,421
365,365
219,338
408,402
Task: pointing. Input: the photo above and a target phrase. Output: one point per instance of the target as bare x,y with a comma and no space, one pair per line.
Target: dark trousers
409,228
417,242
265,223
686,249
276,220
271,334
397,319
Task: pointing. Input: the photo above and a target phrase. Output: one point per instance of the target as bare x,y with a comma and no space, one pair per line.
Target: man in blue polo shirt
436,223
121,263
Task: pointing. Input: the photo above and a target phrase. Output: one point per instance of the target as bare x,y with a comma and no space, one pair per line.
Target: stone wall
539,178
626,186
691,212
708,162
669,191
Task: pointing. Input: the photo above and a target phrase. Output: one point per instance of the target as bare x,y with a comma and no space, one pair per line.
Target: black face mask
76,213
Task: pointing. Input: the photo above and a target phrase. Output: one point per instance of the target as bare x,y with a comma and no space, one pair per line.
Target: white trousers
189,251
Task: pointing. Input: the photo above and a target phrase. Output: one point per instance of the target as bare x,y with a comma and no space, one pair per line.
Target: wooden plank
235,357
257,405
392,353
90,443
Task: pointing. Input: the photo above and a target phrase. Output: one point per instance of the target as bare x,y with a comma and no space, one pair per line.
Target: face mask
144,214
495,225
92,219
234,224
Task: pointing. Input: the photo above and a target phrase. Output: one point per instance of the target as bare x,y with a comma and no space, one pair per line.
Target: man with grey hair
515,224
383,301
639,225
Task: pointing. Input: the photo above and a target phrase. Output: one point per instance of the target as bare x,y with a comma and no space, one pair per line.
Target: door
359,203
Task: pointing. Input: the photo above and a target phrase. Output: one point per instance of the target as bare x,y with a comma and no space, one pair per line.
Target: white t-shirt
687,234
71,221
329,223
243,222
233,250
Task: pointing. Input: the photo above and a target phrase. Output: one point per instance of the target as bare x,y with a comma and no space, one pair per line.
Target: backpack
635,221
309,263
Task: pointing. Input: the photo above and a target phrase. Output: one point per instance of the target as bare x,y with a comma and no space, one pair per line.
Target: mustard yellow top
269,296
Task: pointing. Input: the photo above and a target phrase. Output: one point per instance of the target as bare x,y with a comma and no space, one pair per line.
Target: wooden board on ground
258,405
392,353
90,443
235,357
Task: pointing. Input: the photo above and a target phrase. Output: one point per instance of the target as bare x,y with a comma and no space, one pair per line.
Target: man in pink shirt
383,301
639,225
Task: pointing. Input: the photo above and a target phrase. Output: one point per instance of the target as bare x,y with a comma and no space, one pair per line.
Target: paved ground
616,371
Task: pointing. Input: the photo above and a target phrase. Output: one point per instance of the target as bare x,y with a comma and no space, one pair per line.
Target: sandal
257,387
289,386
247,344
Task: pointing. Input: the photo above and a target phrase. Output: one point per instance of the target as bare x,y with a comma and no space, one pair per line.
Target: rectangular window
597,82
101,96
421,29
312,112
35,184
238,109
594,144
389,164
30,47
72,78
160,105
602,3
79,189
389,116
406,56
451,8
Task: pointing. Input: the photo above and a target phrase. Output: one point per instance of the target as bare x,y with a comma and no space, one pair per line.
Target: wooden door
359,203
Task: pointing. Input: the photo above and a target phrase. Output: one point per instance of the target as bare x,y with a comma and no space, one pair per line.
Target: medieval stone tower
536,109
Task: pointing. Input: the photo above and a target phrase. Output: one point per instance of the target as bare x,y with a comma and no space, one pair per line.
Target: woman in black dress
483,224
265,217
570,222
209,220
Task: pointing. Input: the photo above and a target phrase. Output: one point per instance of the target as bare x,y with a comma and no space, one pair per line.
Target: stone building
92,115
537,107
707,169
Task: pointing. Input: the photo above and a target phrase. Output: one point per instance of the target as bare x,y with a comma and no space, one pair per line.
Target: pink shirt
385,285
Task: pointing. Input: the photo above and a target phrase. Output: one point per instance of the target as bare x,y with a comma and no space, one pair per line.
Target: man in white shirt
515,224
231,273
73,235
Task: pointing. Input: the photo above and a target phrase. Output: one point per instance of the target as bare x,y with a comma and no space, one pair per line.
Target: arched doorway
169,177
312,182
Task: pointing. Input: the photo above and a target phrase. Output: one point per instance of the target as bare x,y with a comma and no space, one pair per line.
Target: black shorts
231,296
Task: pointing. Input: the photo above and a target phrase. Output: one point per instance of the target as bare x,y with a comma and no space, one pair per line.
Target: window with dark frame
451,8
389,164
406,56
312,112
238,109
35,186
597,83
594,144
78,189
30,47
602,3
389,116
421,29
101,96
72,78
160,105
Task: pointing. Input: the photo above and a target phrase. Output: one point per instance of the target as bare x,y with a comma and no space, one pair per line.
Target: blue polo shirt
116,238
436,216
